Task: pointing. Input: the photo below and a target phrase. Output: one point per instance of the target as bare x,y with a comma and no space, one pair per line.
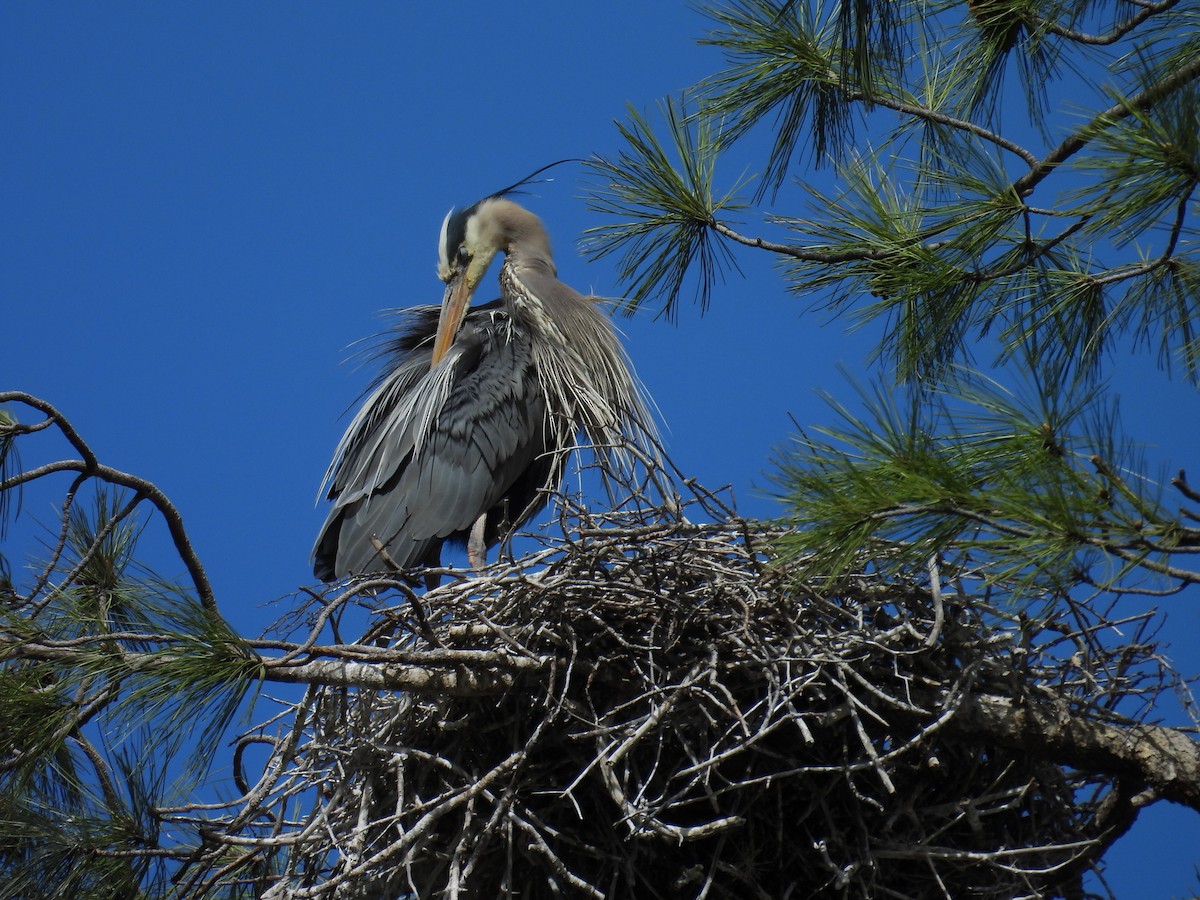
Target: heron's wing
431,451
489,430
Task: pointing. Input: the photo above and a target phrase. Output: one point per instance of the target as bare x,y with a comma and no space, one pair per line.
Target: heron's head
469,241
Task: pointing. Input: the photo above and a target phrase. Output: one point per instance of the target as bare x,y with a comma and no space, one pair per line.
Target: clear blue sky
205,204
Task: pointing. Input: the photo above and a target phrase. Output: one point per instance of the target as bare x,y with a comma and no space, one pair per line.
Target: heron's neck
531,256
526,307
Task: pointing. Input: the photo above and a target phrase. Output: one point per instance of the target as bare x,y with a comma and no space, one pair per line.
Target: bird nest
649,707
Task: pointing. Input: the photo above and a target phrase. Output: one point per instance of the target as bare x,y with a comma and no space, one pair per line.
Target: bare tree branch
90,466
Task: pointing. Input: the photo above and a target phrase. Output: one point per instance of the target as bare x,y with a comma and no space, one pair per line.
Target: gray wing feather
430,451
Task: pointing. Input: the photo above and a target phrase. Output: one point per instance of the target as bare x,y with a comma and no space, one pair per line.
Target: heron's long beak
454,309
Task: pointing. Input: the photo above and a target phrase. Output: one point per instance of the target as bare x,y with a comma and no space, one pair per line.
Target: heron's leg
476,546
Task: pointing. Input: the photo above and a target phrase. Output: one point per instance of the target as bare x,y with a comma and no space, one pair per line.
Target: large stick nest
654,708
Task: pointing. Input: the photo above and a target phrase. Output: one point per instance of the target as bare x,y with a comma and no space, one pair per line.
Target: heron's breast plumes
587,378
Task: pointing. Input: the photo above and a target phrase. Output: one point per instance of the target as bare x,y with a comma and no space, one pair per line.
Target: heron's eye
463,253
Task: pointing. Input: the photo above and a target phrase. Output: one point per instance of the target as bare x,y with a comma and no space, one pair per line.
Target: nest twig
689,721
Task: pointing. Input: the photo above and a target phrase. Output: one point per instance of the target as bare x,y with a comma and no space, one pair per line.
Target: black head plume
454,227
530,179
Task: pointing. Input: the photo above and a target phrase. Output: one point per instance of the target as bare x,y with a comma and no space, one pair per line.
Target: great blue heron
472,424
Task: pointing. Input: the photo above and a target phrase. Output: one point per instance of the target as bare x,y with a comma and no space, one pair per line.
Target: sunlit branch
449,672
1049,724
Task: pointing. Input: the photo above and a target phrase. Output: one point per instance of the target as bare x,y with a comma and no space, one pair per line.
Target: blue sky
206,204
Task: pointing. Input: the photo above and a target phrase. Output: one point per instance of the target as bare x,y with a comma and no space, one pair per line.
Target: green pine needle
1039,491
661,194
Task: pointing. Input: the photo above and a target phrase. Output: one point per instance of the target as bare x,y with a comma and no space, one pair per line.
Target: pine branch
828,257
460,673
1109,37
486,674
964,126
1143,100
1166,759
663,196
89,466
